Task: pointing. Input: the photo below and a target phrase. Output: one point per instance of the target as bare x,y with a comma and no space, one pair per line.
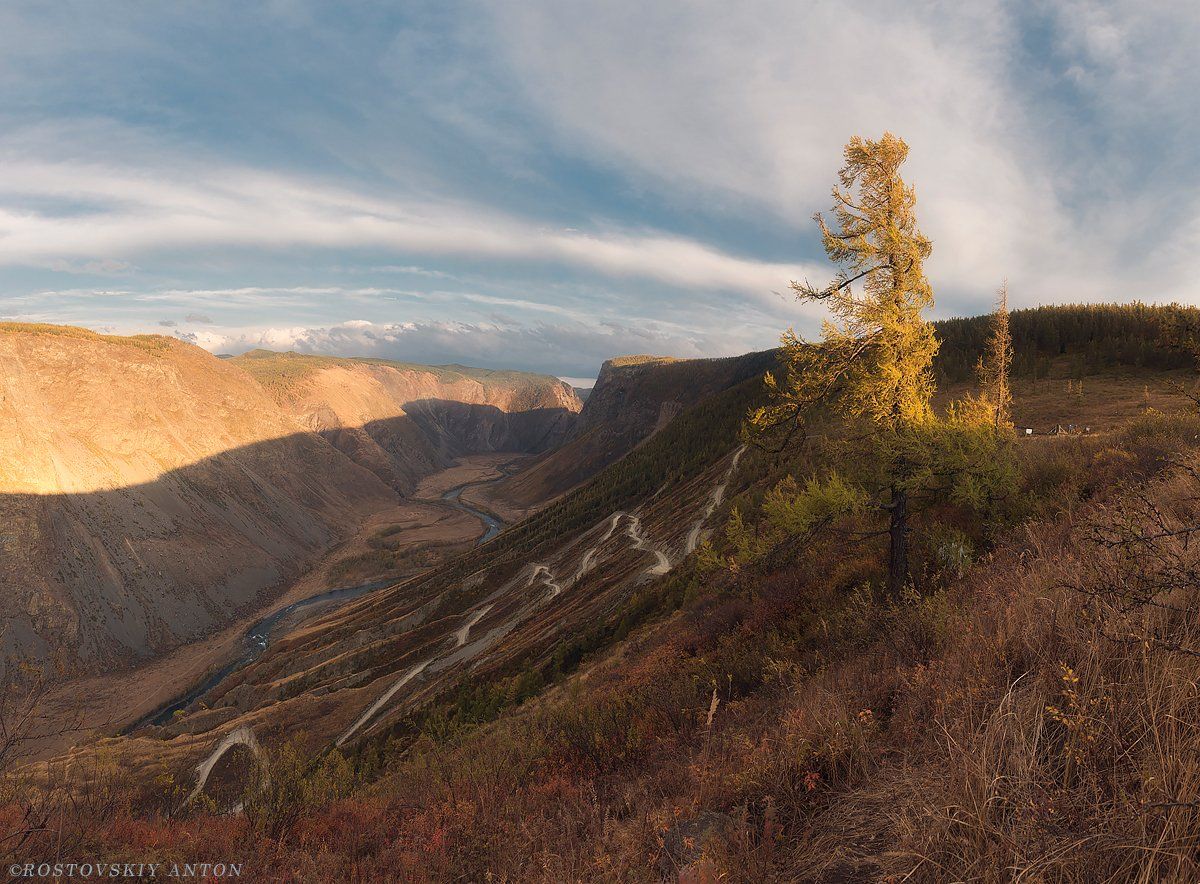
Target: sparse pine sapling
995,365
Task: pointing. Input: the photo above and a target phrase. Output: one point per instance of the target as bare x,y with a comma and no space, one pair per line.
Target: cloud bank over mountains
543,347
544,184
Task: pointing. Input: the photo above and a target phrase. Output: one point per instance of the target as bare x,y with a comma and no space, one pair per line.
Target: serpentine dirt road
258,636
535,573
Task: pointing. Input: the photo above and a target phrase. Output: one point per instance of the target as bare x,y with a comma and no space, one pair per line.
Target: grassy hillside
634,396
148,343
778,720
1027,712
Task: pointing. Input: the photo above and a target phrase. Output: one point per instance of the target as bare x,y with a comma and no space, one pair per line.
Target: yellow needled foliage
873,368
995,364
876,352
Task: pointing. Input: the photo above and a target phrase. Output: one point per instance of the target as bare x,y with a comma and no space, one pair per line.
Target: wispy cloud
545,180
1017,175
128,213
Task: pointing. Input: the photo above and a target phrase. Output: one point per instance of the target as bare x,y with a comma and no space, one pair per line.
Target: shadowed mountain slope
634,397
504,607
404,421
150,492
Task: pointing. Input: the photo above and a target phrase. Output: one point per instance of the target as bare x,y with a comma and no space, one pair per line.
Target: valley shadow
468,428
98,581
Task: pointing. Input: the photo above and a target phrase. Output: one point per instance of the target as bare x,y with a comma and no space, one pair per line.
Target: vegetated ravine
258,636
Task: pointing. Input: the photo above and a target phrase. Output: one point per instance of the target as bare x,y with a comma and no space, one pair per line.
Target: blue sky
545,183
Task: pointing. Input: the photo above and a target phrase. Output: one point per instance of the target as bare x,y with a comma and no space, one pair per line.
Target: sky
543,184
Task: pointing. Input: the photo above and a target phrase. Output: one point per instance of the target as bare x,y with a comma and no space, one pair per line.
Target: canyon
461,550
152,493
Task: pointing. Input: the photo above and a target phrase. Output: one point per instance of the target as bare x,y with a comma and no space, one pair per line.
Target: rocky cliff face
634,398
403,421
150,492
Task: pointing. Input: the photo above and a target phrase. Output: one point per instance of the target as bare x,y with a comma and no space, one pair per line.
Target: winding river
259,635
492,525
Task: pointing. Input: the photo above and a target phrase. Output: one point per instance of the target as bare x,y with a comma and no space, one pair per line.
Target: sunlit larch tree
995,365
873,367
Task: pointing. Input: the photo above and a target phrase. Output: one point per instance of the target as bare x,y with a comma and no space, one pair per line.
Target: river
492,525
259,635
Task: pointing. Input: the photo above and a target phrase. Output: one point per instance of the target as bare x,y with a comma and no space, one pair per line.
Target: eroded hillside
634,397
151,493
359,672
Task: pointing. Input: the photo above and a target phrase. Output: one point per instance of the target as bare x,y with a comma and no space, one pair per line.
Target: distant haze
581,383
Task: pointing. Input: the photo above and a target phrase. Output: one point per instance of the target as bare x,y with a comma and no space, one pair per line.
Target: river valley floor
112,702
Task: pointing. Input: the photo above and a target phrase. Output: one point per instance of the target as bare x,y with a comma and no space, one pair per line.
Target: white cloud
750,103
102,267
410,269
547,347
194,206
1052,143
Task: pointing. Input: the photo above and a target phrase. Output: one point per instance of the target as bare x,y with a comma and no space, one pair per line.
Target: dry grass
1104,402
284,370
1037,719
1065,714
149,343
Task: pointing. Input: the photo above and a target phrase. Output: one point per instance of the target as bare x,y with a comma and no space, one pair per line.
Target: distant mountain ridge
404,421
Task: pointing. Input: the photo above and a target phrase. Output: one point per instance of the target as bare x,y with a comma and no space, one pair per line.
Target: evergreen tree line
1092,337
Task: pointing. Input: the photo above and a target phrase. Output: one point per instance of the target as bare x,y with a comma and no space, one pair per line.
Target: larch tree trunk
898,533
